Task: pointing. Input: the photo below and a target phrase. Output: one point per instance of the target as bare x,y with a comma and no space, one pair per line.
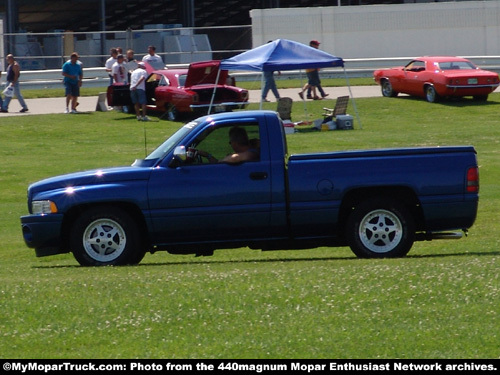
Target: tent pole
353,101
213,93
303,100
261,87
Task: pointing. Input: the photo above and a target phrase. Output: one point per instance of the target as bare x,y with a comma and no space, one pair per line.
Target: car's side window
416,66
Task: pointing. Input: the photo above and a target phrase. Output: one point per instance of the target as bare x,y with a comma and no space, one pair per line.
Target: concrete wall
367,31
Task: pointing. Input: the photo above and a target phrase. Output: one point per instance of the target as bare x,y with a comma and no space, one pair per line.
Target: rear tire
380,228
430,94
106,236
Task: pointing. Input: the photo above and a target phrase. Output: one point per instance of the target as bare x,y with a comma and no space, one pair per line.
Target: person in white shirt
153,59
109,63
118,71
138,91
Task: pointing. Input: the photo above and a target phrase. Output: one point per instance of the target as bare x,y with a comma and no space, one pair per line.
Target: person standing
109,63
118,71
138,91
13,73
153,59
73,75
130,63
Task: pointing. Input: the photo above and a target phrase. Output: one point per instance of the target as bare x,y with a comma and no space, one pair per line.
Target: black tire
380,228
106,236
480,98
387,89
430,94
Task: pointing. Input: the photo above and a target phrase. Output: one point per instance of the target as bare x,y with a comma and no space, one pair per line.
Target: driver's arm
208,155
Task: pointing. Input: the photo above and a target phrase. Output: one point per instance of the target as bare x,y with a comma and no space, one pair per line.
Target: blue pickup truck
186,197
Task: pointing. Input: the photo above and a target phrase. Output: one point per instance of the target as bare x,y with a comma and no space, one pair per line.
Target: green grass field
441,301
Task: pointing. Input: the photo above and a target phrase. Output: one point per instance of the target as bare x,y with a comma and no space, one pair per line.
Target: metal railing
175,44
354,68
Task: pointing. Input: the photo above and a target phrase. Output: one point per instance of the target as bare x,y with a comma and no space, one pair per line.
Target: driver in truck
244,149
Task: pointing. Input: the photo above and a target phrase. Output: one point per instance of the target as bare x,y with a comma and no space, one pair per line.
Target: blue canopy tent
282,54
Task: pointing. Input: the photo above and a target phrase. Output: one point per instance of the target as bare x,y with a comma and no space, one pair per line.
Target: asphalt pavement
89,103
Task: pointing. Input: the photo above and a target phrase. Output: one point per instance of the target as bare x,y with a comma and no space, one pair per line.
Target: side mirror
180,153
180,156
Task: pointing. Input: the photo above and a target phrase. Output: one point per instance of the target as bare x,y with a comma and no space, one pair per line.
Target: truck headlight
43,207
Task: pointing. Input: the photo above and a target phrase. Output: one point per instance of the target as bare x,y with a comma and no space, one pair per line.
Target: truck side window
229,144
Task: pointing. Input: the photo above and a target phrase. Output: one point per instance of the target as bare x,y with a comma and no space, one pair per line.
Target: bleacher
83,16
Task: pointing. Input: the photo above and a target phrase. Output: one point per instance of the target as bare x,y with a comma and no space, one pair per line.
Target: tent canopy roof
281,54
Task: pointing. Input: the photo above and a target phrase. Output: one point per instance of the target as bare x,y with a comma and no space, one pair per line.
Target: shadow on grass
451,102
284,260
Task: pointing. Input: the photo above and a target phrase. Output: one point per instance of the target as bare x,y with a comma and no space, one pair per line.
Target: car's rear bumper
469,90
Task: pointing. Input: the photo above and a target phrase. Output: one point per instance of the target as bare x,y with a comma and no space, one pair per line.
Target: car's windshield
182,80
456,65
173,141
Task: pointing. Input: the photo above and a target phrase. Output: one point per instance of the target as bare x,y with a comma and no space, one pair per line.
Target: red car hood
205,73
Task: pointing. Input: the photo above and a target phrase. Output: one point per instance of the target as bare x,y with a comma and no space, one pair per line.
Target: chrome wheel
380,228
104,240
380,231
431,94
387,89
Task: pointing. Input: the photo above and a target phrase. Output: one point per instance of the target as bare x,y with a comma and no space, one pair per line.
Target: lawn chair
340,108
285,108
337,118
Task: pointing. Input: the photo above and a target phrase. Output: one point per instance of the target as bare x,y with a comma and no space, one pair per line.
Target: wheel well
131,209
401,194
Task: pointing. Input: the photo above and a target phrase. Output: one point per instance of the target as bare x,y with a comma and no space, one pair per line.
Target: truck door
205,199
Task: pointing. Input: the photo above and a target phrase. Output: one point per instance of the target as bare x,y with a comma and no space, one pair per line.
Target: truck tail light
473,180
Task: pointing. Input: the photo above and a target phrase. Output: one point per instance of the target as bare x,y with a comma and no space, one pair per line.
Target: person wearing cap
314,77
138,91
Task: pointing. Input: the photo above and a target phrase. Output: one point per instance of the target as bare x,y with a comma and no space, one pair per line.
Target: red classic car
177,91
435,77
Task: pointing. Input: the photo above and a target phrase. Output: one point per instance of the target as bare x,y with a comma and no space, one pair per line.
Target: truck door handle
258,175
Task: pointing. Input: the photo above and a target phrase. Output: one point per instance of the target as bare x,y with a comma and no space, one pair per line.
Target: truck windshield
173,141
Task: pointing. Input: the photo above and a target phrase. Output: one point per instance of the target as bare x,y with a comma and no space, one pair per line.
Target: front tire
387,89
106,236
380,228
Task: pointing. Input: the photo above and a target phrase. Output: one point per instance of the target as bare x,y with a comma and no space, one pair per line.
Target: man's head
238,138
314,43
74,57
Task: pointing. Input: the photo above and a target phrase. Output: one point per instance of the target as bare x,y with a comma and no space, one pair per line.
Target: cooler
344,122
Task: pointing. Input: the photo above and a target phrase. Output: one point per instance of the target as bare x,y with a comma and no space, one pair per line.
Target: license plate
220,108
472,81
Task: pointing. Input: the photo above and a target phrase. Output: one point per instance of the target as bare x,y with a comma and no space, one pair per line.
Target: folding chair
340,107
285,108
